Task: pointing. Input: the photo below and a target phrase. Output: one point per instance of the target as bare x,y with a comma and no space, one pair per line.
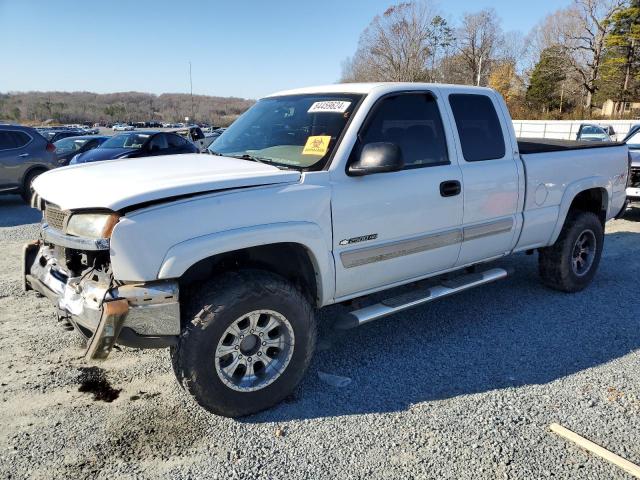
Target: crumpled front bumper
145,315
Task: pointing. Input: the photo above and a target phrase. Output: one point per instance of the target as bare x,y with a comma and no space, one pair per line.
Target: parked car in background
137,144
82,129
54,135
69,147
594,133
197,137
633,144
122,127
634,129
217,132
24,154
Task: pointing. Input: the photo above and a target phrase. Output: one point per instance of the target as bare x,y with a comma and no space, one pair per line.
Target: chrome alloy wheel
254,350
584,252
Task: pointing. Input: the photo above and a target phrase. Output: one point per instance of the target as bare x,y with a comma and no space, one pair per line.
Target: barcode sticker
335,106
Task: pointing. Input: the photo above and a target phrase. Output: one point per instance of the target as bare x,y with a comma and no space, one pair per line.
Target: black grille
54,217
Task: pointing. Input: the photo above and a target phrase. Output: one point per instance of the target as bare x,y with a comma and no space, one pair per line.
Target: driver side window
411,121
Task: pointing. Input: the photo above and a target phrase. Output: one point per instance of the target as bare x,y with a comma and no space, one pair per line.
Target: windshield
591,130
297,131
67,145
634,141
126,140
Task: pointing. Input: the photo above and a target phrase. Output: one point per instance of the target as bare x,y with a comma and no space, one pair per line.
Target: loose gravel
461,388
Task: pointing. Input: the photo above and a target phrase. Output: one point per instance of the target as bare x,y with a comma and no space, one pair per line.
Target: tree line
81,107
575,59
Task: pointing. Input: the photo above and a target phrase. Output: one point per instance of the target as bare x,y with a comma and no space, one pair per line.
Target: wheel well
289,260
594,200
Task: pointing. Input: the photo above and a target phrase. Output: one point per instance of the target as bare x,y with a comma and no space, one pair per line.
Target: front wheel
570,264
249,341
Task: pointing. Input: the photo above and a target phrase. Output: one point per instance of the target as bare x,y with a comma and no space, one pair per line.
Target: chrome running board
418,297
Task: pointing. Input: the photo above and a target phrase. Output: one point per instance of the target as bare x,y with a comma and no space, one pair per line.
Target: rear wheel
27,188
570,264
247,345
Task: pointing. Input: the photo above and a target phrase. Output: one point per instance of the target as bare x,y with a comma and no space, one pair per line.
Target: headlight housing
92,225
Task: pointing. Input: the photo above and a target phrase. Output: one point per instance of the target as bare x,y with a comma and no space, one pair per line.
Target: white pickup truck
313,197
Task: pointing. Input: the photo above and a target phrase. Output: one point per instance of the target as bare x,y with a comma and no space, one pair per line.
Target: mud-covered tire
211,311
555,263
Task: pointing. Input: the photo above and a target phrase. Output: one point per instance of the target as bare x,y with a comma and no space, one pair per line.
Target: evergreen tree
545,85
620,73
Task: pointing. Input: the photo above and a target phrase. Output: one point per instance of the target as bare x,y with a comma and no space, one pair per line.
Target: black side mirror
377,157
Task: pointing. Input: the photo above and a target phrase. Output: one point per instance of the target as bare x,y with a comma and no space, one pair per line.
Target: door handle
450,188
23,155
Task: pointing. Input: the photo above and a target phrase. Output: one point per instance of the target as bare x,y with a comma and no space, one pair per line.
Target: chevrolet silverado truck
313,197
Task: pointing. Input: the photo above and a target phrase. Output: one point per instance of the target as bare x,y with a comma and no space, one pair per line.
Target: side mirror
377,157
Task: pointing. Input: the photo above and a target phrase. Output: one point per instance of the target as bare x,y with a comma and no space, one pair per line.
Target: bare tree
479,39
580,31
593,18
402,44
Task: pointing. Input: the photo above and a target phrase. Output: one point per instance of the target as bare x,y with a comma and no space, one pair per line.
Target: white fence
566,129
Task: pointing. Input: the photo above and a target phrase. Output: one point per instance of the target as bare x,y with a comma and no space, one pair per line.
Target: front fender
570,193
185,254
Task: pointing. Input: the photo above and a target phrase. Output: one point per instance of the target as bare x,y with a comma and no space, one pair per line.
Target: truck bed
555,167
541,145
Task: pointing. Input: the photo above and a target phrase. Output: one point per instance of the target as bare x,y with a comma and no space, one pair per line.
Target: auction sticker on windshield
316,145
335,106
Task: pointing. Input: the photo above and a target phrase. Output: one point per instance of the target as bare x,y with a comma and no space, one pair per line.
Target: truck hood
117,184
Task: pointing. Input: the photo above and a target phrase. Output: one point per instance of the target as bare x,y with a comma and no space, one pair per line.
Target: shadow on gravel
14,211
508,334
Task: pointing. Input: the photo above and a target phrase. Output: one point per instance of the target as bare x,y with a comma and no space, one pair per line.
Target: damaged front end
70,265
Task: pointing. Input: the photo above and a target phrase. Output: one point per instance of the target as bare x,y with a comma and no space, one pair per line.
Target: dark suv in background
24,154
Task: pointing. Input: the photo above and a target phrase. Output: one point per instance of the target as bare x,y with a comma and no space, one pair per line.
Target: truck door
396,226
490,176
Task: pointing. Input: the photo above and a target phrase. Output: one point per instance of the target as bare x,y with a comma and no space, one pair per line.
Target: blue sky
245,48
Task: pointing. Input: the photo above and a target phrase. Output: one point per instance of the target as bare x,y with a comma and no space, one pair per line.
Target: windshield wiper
253,158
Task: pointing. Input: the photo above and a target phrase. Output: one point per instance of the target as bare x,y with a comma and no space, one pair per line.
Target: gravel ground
462,388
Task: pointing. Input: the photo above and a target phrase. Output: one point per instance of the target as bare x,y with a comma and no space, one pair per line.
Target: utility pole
191,89
479,71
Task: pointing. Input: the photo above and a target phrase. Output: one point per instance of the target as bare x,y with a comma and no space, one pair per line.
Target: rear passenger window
176,141
478,127
20,139
411,121
6,141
